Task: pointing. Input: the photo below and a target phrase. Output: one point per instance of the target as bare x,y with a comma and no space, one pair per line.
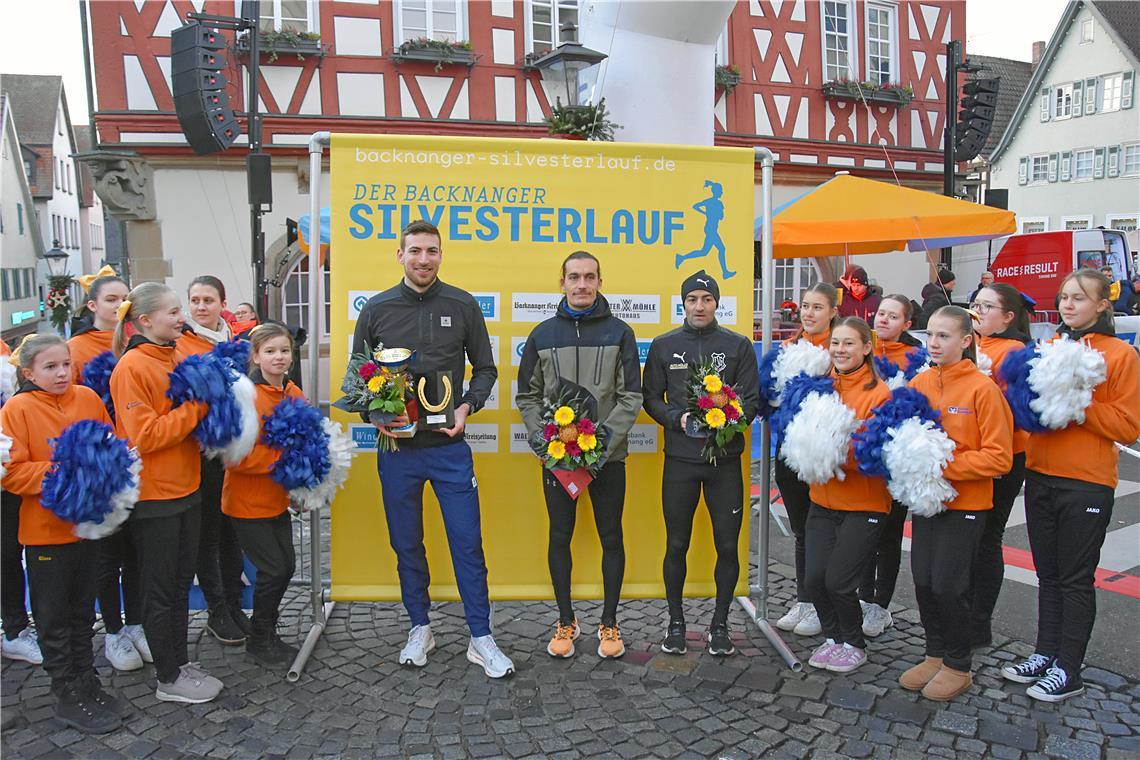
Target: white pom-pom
5,452
341,449
916,456
795,358
7,379
122,503
985,364
238,449
817,440
1064,376
896,381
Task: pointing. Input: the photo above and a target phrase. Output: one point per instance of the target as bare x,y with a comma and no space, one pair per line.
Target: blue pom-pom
96,375
797,389
885,367
90,466
208,378
1014,372
768,380
297,430
868,442
236,352
915,359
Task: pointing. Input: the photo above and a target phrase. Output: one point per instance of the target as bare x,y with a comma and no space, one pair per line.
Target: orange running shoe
609,641
562,643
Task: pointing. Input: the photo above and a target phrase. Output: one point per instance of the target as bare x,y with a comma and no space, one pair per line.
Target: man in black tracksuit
687,471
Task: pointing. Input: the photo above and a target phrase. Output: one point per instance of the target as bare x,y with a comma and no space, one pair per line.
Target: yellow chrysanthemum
564,415
735,404
376,383
714,418
587,442
556,449
713,383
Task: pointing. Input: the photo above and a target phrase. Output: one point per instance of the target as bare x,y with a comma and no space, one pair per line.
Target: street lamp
56,261
570,69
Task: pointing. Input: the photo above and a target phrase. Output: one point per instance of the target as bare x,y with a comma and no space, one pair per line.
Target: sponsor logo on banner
482,438
643,350
363,436
643,309
517,345
725,311
356,301
534,307
493,398
519,443
489,305
643,439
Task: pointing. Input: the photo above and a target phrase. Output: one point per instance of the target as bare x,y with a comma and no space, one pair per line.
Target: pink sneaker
821,657
845,658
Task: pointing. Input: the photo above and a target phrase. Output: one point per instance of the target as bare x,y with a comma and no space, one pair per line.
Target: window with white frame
1063,101
722,47
1039,169
546,18
1131,163
288,16
435,19
837,41
1112,88
1076,222
881,45
1086,30
295,294
1034,223
1122,222
792,278
1083,164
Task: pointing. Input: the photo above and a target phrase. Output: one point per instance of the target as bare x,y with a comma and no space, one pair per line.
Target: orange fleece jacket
248,492
997,349
894,351
86,346
823,340
1086,452
856,492
193,344
171,465
977,418
32,418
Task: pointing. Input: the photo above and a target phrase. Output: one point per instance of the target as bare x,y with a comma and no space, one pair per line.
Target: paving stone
1071,749
1022,737
898,709
852,699
955,723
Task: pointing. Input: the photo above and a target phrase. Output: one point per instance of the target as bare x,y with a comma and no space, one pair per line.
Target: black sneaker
92,688
265,652
287,650
237,614
720,645
77,710
1056,686
674,642
223,628
1028,671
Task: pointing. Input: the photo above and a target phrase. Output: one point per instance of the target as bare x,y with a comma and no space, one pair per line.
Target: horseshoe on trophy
446,395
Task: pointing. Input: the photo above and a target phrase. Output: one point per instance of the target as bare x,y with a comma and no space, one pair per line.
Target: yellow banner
509,211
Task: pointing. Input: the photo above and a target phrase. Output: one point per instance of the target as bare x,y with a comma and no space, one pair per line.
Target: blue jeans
451,473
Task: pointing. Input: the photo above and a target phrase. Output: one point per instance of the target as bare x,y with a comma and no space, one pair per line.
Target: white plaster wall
16,251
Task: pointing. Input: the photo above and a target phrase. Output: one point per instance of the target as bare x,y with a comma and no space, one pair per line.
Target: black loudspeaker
997,198
199,88
260,173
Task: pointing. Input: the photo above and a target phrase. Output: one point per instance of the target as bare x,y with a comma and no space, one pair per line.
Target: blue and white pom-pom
94,479
784,362
904,442
316,454
96,375
7,379
229,428
815,428
5,452
895,376
1049,385
985,364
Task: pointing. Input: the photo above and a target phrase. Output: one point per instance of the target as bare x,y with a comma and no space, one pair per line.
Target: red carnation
728,391
573,450
367,370
585,427
704,402
731,414
550,432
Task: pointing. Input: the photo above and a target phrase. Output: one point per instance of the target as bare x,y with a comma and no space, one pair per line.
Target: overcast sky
43,37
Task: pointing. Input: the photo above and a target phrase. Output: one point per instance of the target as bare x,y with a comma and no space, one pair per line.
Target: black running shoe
223,628
674,642
240,619
1056,686
77,710
720,645
91,686
1029,670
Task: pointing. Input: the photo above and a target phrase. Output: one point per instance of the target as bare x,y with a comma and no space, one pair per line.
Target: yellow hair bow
974,315
124,310
87,279
14,359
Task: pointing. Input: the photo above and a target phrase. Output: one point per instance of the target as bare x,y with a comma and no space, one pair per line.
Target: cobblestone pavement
354,701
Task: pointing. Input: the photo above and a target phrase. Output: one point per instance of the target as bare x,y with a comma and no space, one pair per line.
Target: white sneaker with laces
809,625
138,638
876,620
25,647
420,643
485,652
121,652
793,616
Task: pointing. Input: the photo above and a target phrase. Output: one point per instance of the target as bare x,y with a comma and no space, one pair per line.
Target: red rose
731,414
704,402
550,432
585,427
573,450
367,370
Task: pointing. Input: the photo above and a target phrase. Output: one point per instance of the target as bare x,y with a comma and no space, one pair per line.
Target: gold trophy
396,361
440,413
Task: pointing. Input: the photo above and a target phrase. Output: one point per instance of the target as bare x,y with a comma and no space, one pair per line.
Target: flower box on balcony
275,44
438,52
885,94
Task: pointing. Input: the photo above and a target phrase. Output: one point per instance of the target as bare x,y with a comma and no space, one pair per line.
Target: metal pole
950,135
759,611
256,237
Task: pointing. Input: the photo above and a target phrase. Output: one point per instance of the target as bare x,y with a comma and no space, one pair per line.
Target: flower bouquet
573,444
715,412
378,384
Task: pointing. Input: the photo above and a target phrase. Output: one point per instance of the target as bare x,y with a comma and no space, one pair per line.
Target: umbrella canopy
303,232
852,215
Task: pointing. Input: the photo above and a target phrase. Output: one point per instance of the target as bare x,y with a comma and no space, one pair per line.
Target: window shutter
1044,104
1098,163
1078,89
1066,165
1126,89
1054,159
1090,95
1114,161
1023,170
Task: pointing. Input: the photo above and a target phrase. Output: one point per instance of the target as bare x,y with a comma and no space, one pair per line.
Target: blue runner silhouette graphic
712,208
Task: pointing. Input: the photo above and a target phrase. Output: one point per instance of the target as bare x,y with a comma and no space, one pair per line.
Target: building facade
21,244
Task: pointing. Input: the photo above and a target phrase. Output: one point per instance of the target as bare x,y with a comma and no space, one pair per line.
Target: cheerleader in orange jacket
1070,484
977,419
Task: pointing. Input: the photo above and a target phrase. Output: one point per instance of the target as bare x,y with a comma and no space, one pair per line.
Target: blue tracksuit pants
451,473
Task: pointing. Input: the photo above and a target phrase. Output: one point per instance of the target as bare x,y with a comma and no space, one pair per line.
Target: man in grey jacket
584,350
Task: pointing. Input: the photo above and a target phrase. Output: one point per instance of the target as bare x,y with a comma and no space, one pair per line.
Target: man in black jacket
441,324
687,471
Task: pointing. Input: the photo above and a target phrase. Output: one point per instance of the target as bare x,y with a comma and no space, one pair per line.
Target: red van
1036,262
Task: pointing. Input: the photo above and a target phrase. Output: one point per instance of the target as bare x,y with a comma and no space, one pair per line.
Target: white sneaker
25,647
793,616
420,643
138,638
864,606
483,651
193,687
121,652
809,625
876,620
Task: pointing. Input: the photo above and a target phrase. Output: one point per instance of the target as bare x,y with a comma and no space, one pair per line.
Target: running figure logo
712,208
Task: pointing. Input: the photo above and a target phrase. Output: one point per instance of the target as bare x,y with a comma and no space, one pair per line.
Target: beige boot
948,684
920,675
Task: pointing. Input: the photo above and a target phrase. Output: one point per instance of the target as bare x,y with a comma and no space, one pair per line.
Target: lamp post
58,300
570,69
56,260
